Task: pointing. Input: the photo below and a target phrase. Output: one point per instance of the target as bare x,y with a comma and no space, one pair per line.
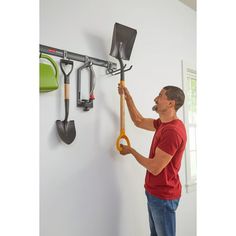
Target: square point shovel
121,48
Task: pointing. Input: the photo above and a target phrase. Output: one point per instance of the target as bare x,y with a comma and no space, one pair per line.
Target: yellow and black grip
122,121
122,136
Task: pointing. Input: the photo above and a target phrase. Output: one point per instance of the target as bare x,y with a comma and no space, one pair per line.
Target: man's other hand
125,149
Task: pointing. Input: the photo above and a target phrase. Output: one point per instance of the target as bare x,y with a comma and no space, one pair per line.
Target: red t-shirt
171,138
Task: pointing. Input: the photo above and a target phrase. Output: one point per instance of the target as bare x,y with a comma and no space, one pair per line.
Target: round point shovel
65,128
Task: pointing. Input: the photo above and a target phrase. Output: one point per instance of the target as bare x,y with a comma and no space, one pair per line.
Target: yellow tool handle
122,136
122,120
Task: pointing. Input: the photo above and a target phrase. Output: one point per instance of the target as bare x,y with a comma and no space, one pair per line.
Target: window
189,76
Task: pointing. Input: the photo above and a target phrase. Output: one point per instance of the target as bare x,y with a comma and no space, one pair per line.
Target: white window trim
191,182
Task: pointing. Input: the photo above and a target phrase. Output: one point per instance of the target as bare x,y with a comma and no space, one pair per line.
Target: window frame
191,181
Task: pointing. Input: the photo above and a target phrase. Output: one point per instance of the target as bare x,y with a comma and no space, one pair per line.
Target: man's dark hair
175,93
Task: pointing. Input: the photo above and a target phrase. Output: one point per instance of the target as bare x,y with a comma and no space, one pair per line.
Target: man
162,183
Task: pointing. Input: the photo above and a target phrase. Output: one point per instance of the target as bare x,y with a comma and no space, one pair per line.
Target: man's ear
172,103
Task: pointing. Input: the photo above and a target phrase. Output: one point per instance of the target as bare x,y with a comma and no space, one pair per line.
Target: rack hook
118,71
112,71
110,67
65,54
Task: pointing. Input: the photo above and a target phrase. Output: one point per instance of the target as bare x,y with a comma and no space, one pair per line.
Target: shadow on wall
113,116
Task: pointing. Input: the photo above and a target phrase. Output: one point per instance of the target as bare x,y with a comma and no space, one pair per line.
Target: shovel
122,44
65,128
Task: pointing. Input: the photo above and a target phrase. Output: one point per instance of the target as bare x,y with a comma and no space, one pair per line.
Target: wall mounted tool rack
76,57
89,61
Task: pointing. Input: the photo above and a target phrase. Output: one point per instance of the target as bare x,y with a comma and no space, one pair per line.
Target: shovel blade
66,130
126,36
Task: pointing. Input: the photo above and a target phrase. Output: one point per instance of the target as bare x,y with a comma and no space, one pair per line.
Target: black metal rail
76,57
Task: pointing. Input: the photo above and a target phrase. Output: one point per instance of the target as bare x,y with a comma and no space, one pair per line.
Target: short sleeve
156,123
169,141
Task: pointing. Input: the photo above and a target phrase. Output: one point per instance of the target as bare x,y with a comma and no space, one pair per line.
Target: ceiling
190,3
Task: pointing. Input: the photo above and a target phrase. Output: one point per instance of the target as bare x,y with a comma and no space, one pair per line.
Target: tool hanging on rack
49,74
122,44
65,129
87,104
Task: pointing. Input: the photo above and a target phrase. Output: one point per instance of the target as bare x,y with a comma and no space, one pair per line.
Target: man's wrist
128,97
132,151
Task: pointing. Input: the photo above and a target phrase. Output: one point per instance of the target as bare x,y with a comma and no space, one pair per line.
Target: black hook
110,67
118,71
114,71
124,70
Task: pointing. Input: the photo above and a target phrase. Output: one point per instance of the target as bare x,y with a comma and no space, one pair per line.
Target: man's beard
154,108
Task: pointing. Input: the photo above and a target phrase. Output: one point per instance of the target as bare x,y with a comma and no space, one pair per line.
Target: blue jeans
161,215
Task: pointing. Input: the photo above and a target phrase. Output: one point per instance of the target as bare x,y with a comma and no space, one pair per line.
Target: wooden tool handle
122,107
67,91
122,121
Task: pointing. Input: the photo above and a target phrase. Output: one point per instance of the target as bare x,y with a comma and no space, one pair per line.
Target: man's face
162,102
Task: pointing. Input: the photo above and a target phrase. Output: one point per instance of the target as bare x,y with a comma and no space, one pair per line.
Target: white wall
87,188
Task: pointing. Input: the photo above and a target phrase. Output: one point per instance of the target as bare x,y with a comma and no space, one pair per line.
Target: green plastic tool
49,74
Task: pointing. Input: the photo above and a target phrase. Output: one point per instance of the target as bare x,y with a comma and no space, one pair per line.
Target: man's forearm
133,111
148,163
